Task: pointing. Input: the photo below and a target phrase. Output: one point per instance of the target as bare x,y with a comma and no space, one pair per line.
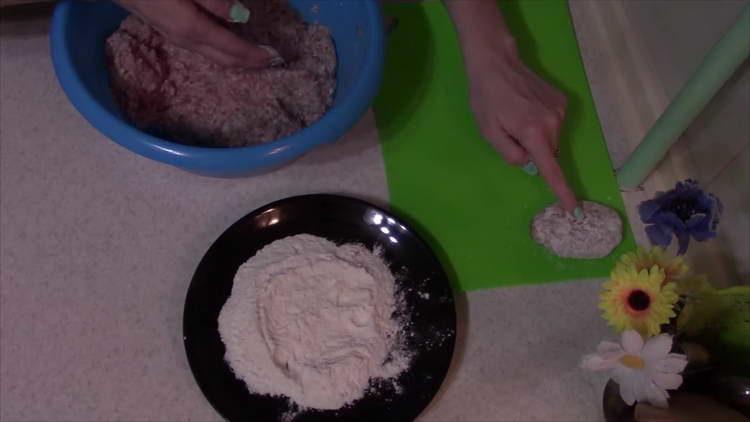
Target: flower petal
627,390
667,381
705,201
686,185
718,206
672,364
641,386
657,348
659,235
598,363
697,221
632,342
670,219
620,374
683,240
656,396
647,209
607,348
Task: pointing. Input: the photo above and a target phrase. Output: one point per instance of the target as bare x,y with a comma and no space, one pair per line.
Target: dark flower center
684,207
639,300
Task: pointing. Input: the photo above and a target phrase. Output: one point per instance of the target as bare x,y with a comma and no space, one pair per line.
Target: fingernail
530,169
578,213
276,59
239,13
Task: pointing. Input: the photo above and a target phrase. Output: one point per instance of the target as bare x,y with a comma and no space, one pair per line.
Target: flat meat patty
592,237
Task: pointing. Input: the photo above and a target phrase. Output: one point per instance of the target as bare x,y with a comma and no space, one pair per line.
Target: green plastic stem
717,67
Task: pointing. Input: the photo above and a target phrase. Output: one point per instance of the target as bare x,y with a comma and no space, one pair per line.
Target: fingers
208,35
550,96
555,104
188,25
226,49
550,120
522,116
216,56
511,151
538,146
243,53
228,10
224,42
561,104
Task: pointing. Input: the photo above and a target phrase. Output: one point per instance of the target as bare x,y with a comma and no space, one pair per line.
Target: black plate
420,277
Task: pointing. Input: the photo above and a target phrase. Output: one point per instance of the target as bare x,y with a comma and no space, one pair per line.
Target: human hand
190,24
520,115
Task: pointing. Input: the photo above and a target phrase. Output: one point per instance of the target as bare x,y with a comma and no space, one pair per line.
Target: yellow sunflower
638,299
674,267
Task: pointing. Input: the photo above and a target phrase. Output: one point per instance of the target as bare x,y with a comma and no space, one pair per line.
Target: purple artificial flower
684,211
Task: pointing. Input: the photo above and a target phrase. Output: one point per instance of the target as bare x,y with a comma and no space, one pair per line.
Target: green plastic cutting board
474,209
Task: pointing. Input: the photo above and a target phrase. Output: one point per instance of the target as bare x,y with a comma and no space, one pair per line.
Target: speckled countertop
98,246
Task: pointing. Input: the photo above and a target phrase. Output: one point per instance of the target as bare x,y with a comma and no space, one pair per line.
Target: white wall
677,34
638,54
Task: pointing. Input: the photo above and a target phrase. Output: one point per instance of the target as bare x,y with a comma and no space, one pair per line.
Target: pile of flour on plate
313,321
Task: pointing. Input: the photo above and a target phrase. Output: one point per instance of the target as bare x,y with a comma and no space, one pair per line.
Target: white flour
312,321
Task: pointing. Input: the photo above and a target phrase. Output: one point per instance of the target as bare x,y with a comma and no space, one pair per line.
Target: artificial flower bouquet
676,330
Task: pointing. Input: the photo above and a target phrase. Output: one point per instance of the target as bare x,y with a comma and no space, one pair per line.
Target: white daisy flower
644,371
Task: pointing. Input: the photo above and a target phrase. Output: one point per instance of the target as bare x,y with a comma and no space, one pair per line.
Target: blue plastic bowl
79,29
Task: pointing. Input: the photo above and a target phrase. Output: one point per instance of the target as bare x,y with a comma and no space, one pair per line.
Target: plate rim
336,197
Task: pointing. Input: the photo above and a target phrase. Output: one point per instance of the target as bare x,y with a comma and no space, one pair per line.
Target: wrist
490,57
486,41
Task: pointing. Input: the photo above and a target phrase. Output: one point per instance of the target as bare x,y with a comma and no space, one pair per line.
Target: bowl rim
329,128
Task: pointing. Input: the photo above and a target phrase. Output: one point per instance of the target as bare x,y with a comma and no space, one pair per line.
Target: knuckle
487,132
511,46
488,128
217,7
561,112
534,131
180,31
551,120
188,27
514,157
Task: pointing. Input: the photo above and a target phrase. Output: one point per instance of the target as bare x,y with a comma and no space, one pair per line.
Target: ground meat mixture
592,237
173,92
